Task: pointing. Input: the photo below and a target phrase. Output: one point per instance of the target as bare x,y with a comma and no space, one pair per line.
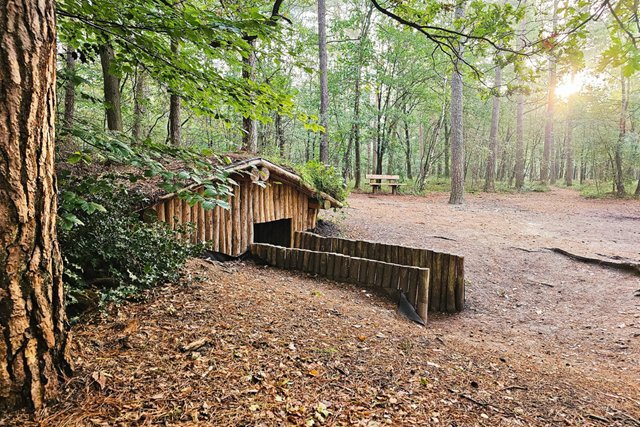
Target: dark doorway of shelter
274,233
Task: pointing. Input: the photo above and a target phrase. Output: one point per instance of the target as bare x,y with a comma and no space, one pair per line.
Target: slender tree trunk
519,169
457,145
34,337
324,81
447,149
408,144
490,176
249,125
621,192
138,105
279,135
175,101
111,89
568,178
69,145
547,172
354,137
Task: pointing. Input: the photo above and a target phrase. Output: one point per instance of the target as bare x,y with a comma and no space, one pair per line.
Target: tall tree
547,168
568,176
175,103
138,104
457,144
69,98
34,343
324,81
519,167
619,181
111,88
249,123
490,176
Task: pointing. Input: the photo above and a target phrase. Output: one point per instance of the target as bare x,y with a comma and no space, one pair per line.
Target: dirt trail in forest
585,316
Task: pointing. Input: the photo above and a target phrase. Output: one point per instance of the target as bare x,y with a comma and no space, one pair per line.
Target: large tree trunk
547,172
175,102
34,338
138,105
408,150
457,145
68,145
620,190
324,82
111,89
249,125
519,168
490,176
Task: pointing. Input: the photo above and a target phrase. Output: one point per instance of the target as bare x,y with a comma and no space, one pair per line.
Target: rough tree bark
490,176
547,172
457,145
519,172
34,339
249,125
138,105
111,89
175,102
324,82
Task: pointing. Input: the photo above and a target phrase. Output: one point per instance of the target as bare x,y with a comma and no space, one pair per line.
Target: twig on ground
515,387
619,265
540,283
443,238
595,417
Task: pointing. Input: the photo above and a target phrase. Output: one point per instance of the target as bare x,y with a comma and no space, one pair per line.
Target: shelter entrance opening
274,232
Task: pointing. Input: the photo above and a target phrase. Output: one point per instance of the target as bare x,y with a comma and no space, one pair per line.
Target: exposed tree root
629,266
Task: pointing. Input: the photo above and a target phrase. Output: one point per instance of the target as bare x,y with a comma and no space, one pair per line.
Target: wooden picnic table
392,182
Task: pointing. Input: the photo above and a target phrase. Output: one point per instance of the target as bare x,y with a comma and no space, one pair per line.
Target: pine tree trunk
490,176
249,125
138,108
69,146
111,89
519,169
547,172
408,143
324,82
34,337
279,135
175,101
457,145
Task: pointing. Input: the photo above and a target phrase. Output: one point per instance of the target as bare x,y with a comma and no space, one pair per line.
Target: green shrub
109,250
325,178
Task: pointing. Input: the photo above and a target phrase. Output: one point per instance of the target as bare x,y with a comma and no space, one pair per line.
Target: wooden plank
244,217
346,262
324,262
222,230
228,232
460,289
236,221
160,209
178,210
422,306
216,228
412,294
331,264
250,213
193,213
201,219
304,213
373,176
354,269
444,281
435,288
364,270
208,226
451,285
371,273
379,273
262,200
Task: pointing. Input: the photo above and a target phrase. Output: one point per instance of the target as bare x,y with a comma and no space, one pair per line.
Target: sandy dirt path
584,315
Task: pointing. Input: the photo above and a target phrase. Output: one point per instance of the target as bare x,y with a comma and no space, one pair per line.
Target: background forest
214,76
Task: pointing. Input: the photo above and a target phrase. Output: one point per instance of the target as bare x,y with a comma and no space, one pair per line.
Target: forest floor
239,344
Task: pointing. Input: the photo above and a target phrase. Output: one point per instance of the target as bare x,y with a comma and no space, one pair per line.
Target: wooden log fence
392,279
446,282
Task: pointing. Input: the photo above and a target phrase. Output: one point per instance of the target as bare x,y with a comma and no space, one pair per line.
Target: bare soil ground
242,345
522,297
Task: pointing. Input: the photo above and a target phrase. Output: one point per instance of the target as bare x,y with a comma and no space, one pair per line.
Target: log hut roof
277,172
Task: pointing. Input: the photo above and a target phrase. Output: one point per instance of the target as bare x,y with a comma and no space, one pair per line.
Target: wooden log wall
231,231
446,283
391,278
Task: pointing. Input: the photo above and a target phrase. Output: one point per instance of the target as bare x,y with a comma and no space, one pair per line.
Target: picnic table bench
392,182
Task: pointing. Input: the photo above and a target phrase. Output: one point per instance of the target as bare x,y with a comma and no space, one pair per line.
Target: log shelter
269,213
